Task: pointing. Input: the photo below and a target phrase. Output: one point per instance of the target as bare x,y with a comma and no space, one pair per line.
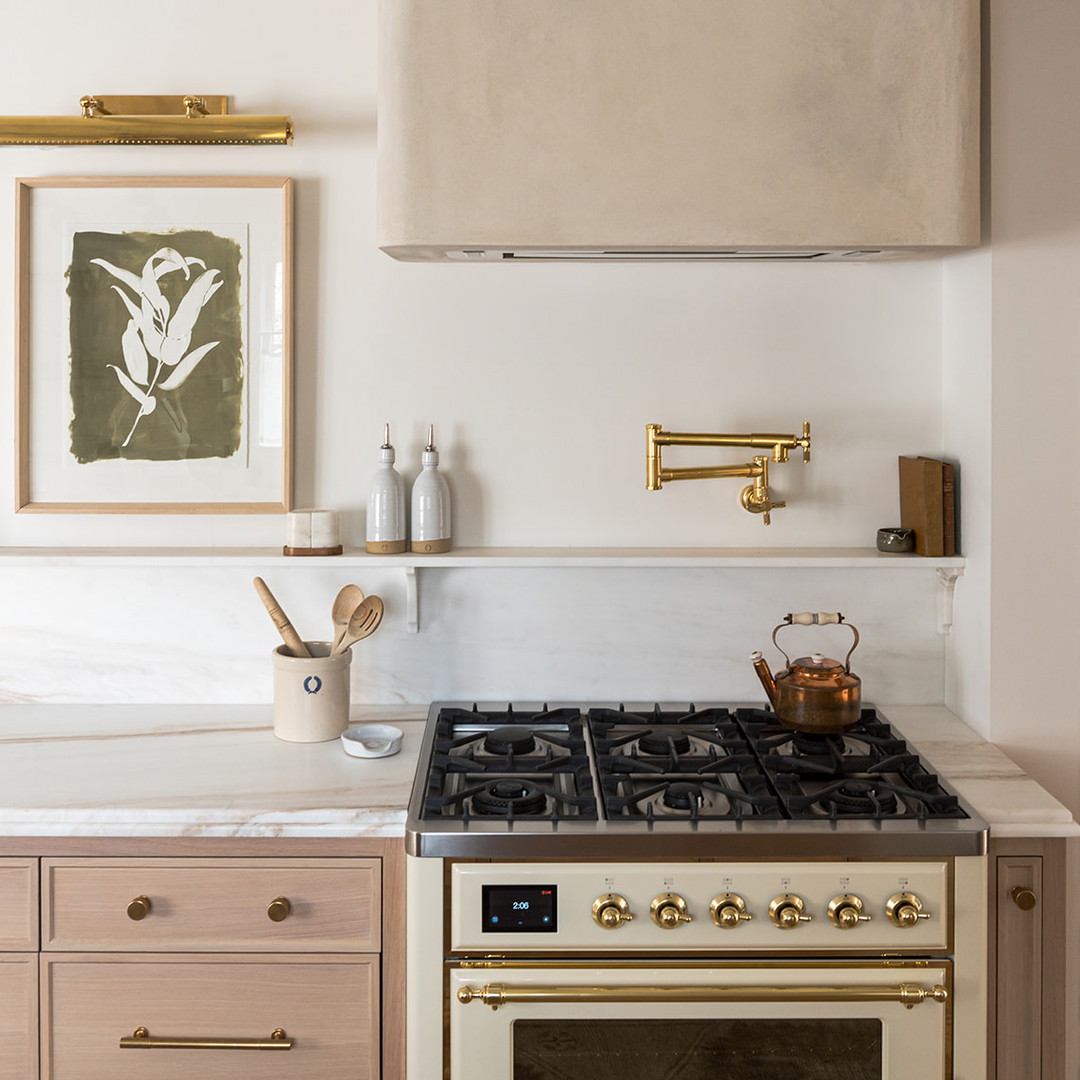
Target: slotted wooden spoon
364,622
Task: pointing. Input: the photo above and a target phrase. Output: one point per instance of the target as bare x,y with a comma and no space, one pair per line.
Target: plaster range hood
788,130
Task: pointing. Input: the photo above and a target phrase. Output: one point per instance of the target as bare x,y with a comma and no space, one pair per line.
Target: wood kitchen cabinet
298,944
1027,950
18,968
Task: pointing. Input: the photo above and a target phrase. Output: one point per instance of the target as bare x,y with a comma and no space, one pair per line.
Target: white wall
1035,327
539,378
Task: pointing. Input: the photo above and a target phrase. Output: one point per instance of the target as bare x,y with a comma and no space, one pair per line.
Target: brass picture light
147,120
755,497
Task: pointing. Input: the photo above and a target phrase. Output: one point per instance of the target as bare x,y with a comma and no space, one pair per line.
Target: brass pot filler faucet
755,496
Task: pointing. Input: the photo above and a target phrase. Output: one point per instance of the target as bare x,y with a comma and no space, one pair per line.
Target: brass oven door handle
141,1039
495,994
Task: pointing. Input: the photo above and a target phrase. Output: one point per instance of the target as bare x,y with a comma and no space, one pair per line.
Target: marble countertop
174,770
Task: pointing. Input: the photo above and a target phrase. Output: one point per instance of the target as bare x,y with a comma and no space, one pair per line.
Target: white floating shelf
483,557
948,569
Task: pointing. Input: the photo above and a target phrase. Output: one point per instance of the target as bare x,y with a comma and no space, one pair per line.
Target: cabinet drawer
211,905
18,904
18,1015
327,1006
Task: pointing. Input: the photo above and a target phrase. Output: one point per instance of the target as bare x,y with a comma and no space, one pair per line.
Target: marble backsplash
125,634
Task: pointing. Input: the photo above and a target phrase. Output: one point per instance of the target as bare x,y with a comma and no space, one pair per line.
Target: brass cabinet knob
610,911
846,911
279,909
139,908
668,911
787,910
1023,897
728,911
904,909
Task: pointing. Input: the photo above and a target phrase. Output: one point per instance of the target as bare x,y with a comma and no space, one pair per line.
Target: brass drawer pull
139,908
141,1039
279,909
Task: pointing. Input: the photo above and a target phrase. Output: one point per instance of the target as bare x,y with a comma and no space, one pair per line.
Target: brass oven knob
1023,897
668,911
846,911
904,910
728,911
139,908
786,911
279,909
610,911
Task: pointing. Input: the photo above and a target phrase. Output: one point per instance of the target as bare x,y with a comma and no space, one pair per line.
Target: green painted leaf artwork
157,366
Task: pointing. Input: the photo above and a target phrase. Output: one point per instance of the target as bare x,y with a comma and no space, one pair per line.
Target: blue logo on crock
312,684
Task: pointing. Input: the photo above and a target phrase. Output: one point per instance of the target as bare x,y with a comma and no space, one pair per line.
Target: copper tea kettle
814,694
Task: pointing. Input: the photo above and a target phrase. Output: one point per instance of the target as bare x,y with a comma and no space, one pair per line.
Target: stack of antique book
928,504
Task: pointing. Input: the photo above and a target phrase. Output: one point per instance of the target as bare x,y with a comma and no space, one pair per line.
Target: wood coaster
312,551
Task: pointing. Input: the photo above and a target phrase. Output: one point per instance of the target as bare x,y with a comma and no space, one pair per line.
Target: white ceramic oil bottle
386,505
430,504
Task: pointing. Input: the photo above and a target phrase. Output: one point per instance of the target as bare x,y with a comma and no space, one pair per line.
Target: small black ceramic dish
895,541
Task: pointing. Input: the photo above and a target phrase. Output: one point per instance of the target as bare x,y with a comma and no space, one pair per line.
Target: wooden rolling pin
281,620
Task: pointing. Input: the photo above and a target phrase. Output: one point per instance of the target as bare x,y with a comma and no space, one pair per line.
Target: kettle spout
761,666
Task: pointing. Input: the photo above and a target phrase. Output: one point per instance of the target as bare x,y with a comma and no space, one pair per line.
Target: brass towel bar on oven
495,994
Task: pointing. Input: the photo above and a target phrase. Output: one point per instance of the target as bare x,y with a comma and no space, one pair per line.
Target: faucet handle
804,442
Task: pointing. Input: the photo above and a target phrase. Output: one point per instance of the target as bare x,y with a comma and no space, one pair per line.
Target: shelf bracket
947,578
412,600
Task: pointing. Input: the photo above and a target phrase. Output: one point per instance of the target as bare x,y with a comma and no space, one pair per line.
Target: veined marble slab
194,771
1011,801
217,770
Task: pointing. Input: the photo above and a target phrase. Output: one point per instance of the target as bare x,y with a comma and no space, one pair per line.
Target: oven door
757,1021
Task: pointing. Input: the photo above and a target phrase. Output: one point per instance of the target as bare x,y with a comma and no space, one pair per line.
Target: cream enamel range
697,866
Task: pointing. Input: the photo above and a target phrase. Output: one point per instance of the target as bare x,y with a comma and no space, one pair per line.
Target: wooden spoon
364,622
345,603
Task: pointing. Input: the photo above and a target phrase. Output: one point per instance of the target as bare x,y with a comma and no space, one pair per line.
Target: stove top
580,781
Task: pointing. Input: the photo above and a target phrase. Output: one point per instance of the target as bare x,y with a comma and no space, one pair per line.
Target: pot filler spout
755,497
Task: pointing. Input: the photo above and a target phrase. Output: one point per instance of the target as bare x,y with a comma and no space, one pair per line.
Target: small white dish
371,740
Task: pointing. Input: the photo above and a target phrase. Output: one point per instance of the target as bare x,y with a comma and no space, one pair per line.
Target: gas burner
721,796
509,740
509,798
657,742
860,797
816,745
683,795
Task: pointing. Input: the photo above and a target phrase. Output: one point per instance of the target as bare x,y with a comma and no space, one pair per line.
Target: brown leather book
948,501
922,503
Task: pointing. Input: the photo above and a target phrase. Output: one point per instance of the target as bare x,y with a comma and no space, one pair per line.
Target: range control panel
680,907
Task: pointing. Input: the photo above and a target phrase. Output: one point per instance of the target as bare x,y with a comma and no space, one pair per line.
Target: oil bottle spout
761,666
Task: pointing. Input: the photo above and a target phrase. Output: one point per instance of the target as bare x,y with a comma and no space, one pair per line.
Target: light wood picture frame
154,345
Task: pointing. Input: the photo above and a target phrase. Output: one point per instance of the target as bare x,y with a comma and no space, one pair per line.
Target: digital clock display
519,909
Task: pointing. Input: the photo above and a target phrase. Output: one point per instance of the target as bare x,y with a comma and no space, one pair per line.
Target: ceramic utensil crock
311,694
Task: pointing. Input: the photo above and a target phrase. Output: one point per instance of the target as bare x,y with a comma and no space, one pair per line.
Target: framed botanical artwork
154,325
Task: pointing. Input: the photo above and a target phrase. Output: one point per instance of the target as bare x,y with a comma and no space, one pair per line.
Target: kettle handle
818,618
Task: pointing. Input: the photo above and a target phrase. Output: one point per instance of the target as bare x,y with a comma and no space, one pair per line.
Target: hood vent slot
563,255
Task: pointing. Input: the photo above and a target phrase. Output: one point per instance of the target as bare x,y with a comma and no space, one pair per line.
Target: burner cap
509,740
506,797
807,743
860,797
682,795
657,741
